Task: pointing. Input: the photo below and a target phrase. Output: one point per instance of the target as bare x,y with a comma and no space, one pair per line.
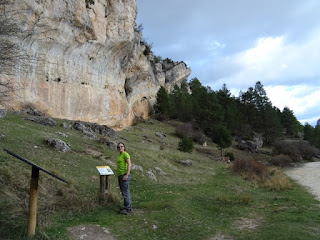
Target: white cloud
303,100
273,61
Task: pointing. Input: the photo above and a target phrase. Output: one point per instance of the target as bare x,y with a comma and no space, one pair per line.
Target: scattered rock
66,125
160,171
33,112
58,144
151,175
257,139
186,162
89,134
136,168
108,142
79,126
62,134
43,120
95,128
162,136
3,113
248,146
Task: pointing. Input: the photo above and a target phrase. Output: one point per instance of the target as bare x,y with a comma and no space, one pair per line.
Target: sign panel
104,170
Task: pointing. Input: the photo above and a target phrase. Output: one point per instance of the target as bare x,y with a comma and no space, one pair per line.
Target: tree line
219,114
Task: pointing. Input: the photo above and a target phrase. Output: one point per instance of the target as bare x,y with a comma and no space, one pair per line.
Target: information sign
104,170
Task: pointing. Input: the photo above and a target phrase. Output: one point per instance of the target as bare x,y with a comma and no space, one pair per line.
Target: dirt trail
308,175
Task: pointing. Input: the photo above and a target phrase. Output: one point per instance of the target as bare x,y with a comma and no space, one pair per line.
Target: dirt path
308,175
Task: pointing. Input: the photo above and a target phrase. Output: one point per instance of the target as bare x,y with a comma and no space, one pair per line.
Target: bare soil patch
89,232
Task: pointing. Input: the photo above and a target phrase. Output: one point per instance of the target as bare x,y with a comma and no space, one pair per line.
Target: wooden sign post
105,172
32,220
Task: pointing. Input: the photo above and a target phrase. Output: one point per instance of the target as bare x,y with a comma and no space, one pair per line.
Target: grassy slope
197,202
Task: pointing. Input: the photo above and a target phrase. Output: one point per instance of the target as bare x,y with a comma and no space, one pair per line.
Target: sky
240,42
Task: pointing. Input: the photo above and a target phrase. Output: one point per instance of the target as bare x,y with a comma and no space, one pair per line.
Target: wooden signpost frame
105,185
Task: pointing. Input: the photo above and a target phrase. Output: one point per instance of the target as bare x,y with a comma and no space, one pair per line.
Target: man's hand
125,177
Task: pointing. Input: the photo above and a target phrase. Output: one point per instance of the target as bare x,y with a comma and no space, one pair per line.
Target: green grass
197,202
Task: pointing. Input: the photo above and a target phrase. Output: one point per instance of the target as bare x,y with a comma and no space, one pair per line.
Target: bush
269,177
230,155
186,145
250,168
297,151
280,161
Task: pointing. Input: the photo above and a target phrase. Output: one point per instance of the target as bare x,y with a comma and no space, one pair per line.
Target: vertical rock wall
82,60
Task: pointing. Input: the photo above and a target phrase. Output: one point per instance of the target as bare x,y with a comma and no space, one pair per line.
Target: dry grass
277,180
269,177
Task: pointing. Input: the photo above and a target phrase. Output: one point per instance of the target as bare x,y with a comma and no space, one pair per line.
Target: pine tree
222,137
162,105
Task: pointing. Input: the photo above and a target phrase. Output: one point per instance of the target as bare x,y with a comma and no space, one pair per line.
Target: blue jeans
124,187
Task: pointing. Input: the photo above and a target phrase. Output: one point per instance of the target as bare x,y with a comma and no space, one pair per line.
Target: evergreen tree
272,128
289,122
162,106
308,132
316,138
222,137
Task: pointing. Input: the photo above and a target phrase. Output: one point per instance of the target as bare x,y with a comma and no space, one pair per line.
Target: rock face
82,60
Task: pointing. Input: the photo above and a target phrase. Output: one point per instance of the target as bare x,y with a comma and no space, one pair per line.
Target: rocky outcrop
82,60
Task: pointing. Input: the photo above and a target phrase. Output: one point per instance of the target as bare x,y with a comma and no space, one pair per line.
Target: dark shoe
123,211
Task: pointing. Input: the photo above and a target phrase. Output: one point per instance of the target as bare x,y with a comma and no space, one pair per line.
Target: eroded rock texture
80,60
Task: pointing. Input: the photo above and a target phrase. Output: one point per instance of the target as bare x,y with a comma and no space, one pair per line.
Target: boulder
257,138
162,136
248,146
136,168
66,125
160,171
58,144
43,120
94,128
187,162
151,175
62,134
108,142
89,134
3,113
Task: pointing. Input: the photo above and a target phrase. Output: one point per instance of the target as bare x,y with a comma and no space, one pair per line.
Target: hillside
206,200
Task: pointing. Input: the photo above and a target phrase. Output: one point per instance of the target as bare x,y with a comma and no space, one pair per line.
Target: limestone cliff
82,60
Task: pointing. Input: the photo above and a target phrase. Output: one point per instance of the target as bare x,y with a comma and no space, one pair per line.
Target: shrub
157,59
230,155
280,161
186,145
269,177
250,168
297,151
